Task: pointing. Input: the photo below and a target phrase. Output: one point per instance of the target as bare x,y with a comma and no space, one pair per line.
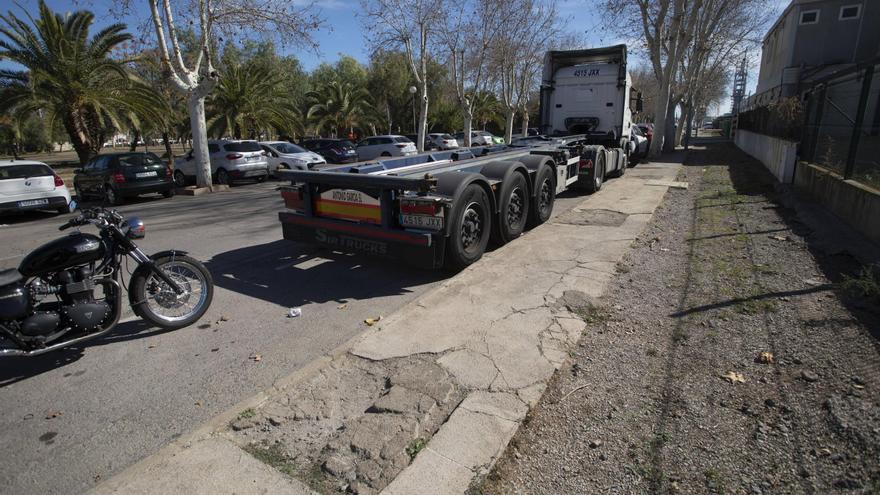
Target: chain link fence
841,128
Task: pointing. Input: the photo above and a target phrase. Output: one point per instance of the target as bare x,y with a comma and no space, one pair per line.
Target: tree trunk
134,141
682,120
423,118
669,127
659,119
468,118
508,124
78,138
196,107
168,151
525,123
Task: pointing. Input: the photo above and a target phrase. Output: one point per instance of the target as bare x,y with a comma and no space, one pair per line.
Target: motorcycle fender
143,269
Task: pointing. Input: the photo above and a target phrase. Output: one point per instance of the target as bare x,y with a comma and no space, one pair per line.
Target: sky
344,32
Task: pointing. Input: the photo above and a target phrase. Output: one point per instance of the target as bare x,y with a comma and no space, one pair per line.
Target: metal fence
842,124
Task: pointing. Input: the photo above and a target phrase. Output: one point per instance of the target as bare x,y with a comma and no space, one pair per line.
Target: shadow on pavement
292,274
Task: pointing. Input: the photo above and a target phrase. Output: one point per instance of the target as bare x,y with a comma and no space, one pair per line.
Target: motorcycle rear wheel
160,305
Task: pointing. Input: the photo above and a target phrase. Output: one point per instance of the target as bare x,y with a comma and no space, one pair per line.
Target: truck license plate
421,222
33,202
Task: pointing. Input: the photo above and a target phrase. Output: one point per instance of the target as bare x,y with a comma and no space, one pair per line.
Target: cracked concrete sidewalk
499,330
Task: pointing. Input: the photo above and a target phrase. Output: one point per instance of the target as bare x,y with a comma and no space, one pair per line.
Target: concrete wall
856,204
778,155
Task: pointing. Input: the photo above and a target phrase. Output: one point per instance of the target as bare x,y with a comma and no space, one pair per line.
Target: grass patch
247,414
415,447
273,455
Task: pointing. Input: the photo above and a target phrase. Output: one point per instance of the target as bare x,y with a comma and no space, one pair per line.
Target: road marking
310,263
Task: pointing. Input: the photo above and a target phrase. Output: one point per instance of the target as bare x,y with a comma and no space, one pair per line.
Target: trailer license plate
421,222
33,202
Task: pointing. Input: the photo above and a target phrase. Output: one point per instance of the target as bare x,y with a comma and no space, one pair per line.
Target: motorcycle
50,301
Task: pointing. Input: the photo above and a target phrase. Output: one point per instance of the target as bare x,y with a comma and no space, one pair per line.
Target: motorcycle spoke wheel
167,305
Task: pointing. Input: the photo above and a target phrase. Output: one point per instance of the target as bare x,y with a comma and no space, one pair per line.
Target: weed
273,455
247,414
680,336
622,268
714,481
415,447
651,352
866,283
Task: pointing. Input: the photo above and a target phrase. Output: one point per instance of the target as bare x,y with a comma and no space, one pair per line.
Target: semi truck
443,209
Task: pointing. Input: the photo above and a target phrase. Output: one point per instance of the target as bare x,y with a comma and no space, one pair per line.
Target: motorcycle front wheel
159,304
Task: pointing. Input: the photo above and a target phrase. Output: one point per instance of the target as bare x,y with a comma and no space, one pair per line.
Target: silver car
443,141
380,146
288,156
231,161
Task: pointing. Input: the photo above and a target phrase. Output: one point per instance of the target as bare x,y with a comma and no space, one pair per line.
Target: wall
778,155
857,205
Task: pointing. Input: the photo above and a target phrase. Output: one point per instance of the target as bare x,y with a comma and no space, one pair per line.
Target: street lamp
412,91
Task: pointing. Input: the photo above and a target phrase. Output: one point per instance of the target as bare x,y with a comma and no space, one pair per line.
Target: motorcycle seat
10,276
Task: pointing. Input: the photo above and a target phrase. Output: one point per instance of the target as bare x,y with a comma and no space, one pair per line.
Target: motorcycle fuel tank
66,252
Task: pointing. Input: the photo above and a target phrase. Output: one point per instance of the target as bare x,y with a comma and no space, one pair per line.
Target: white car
443,141
287,156
30,185
638,144
381,146
231,160
478,138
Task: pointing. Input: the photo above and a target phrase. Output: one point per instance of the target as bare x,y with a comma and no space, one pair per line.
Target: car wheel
385,153
111,195
179,179
222,177
261,179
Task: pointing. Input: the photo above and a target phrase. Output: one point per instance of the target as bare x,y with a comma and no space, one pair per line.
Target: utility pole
739,87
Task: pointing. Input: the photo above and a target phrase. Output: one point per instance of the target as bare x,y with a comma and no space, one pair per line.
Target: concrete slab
430,474
222,468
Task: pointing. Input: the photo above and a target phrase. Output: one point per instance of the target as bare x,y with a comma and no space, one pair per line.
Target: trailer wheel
471,227
622,161
513,209
545,196
598,174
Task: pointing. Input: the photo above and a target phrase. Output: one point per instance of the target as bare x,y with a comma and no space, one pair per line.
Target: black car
113,177
333,150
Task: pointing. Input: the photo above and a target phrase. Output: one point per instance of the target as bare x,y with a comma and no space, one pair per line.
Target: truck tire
513,209
471,227
544,197
620,160
598,177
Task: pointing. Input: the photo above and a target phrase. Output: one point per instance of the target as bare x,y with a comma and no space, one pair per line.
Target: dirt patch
354,426
731,361
602,218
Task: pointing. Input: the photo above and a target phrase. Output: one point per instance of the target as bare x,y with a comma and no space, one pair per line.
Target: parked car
282,155
442,141
116,176
29,185
429,145
333,150
648,130
478,138
231,161
497,140
380,146
639,142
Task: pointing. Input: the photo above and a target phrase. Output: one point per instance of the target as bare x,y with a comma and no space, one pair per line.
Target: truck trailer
442,209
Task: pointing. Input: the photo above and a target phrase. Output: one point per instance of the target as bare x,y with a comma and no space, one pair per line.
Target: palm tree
250,100
339,107
71,76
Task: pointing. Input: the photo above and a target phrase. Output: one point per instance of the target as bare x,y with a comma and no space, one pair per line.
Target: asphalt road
76,416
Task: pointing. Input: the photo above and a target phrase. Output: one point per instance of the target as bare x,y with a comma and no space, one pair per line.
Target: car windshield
24,171
288,148
446,136
401,139
243,146
343,144
139,160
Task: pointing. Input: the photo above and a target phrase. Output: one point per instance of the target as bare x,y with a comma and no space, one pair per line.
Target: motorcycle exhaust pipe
106,328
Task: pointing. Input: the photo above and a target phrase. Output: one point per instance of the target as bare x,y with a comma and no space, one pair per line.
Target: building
813,38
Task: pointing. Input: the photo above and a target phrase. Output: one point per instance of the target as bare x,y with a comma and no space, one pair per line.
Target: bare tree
518,55
197,76
470,31
412,25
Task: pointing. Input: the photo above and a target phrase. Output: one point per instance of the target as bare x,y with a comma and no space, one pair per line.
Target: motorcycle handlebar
86,216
